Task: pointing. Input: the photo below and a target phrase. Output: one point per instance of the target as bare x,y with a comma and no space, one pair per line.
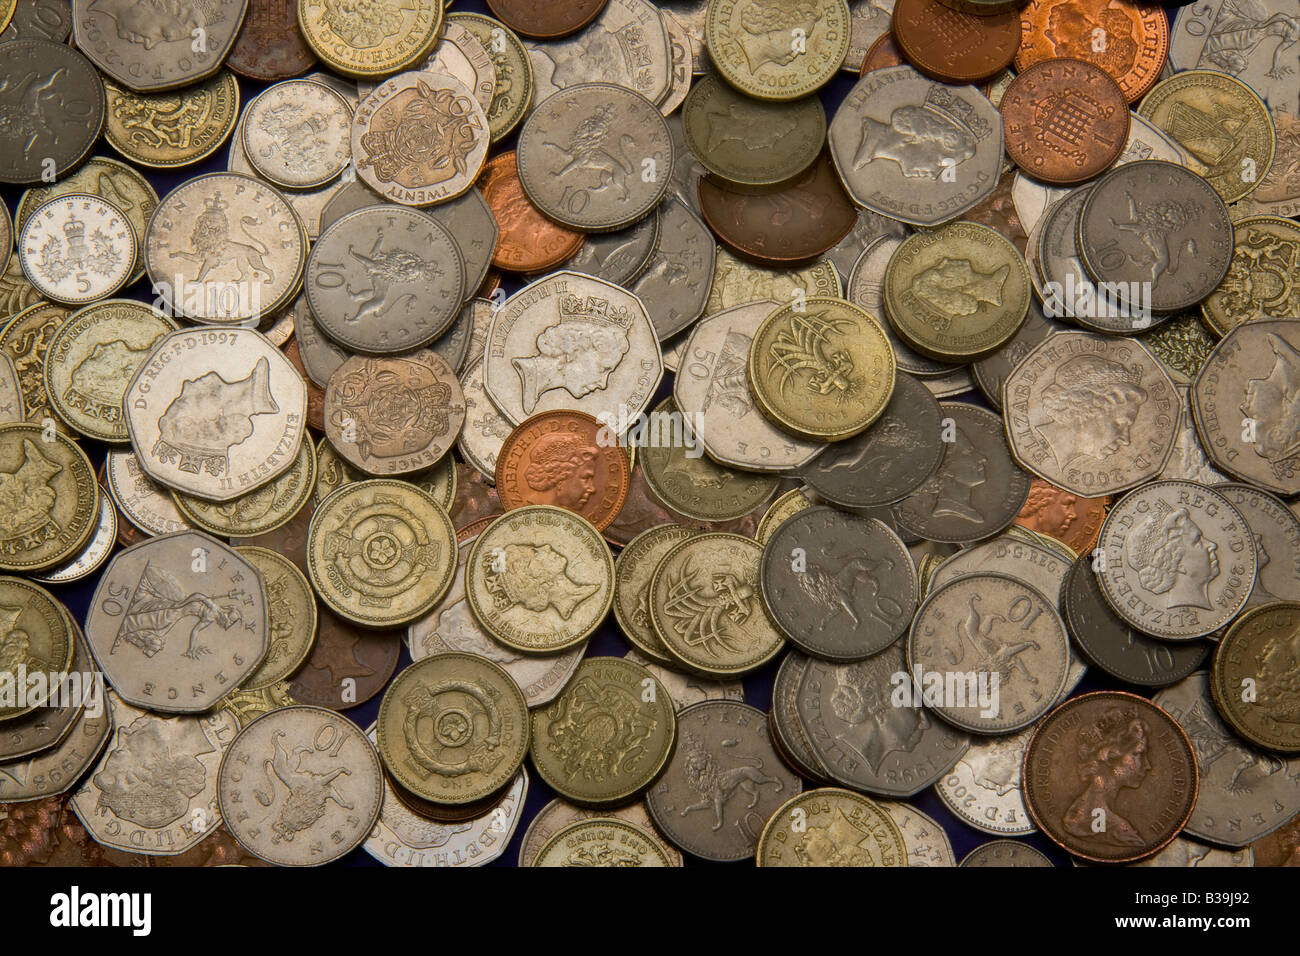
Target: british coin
675,282
1189,853
46,19
1201,41
297,134
954,45
869,229
842,588
6,238
790,737
1277,543
1243,408
835,828
683,67
529,242
1110,776
1112,645
978,488
1051,28
291,617
55,770
712,391
47,833
458,54
983,789
1073,520
540,579
303,747
16,293
926,842
725,751
486,429
549,23
1189,462
1005,853
259,512
93,555
451,626
86,249
347,666
224,248
559,814
1181,103
58,510
705,606
1181,345
216,413
393,144
43,645
371,543
144,503
50,724
270,46
900,452
688,689
125,804
91,359
333,472
629,757
786,506
1278,193
571,341
1252,677
603,841
872,19
1179,560
737,281
1279,848
1091,414
751,47
25,340
1255,287
633,569
1027,559
860,734
512,95
453,346
1245,794
56,99
392,37
957,293
166,130
989,373
980,625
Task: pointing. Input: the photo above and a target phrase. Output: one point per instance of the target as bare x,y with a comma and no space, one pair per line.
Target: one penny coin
953,46
546,21
528,241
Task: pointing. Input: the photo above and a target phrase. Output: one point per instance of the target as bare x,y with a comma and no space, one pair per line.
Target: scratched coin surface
53,507
835,828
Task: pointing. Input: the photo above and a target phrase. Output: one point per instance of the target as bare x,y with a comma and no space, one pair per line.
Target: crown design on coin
74,229
944,101
595,309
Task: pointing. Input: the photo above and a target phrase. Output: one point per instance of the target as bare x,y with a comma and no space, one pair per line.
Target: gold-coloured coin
821,369
91,358
52,507
602,841
778,49
175,128
38,641
453,729
540,579
736,282
1259,651
381,553
633,569
247,705
7,8
787,506
26,340
333,472
609,734
291,617
1263,278
514,90
831,827
706,607
264,509
379,38
1181,345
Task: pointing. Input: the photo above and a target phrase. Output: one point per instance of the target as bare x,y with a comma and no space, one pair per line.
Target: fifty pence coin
77,248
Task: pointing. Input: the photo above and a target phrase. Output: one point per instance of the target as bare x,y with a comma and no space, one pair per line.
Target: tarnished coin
453,728
77,248
54,99
603,841
558,814
381,553
420,138
573,342
1279,848
1186,853
712,389
57,769
512,95
91,359
386,38
529,242
706,606
1277,543
53,507
835,828
608,735
723,783
841,587
957,293
259,512
216,413
270,46
989,652
39,644
486,429
128,803
224,248
633,569
750,43
1110,776
1178,560
166,130
1005,853
145,504
983,788
1253,679
896,135
333,472
1257,285
348,665
300,786
291,617
540,579
978,488
297,134
1245,401
821,369
675,282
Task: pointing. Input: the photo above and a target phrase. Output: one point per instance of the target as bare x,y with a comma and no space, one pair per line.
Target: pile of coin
603,363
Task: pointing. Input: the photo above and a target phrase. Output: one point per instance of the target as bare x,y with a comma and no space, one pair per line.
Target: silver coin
143,502
1213,36
866,286
678,276
1005,853
453,346
469,220
926,842
589,157
871,19
1187,853
688,689
869,227
320,356
687,171
951,384
896,135
77,248
983,788
486,429
788,731
458,54
92,556
1188,461
691,14
1244,794
53,102
1277,543
40,19
300,786
298,133
620,256
991,372
385,279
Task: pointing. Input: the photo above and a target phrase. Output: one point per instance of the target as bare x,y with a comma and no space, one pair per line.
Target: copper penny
1065,121
47,833
475,498
1135,38
1067,517
270,46
781,227
998,212
1110,777
882,54
558,458
315,394
348,664
953,46
528,241
641,512
218,848
547,20
1279,848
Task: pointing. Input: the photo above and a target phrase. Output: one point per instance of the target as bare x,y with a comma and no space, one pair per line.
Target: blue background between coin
608,641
